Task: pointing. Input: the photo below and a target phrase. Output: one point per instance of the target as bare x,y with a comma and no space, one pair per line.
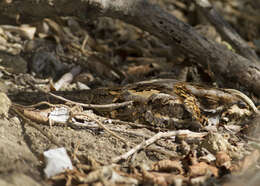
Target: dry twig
105,107
102,126
38,117
156,137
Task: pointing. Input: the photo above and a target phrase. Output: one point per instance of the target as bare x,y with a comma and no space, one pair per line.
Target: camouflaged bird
161,102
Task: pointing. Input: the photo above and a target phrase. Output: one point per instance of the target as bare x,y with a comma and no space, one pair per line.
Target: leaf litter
108,150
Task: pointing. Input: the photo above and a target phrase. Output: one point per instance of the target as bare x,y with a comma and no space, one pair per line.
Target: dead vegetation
129,108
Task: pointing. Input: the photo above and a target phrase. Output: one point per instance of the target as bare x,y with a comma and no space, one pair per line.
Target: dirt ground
22,147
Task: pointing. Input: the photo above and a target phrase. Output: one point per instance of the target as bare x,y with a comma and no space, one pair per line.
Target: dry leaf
168,166
201,169
223,160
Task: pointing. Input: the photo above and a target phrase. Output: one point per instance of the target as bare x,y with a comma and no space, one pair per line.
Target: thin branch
103,126
225,30
105,107
156,137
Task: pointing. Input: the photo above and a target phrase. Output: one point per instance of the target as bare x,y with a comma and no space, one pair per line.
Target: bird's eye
241,104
